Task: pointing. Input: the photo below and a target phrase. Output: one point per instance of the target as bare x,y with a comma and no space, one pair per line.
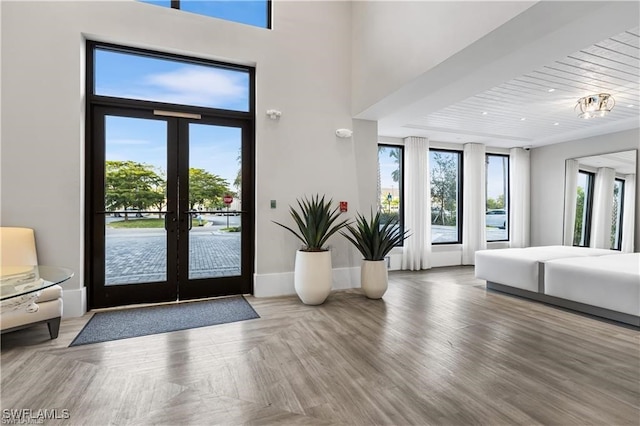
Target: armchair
18,247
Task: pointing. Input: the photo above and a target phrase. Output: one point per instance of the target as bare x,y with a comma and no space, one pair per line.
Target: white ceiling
545,98
536,107
623,162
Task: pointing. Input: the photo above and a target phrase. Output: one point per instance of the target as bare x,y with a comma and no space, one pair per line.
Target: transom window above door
137,76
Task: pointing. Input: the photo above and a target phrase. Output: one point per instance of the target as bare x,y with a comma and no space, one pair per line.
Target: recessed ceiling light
551,90
556,124
484,113
523,118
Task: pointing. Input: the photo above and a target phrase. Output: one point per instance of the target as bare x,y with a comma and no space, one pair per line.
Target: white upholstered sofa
17,247
595,281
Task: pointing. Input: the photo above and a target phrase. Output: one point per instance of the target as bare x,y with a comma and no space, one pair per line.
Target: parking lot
443,234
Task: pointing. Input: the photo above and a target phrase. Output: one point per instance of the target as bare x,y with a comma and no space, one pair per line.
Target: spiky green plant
316,222
374,239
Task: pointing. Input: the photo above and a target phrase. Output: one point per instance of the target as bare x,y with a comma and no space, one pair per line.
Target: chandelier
594,105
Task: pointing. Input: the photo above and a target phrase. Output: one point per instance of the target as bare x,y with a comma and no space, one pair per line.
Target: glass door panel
215,201
135,243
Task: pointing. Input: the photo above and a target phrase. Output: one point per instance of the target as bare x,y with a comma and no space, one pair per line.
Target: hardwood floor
438,349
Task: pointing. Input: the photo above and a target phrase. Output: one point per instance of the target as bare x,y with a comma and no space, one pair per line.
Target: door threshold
175,302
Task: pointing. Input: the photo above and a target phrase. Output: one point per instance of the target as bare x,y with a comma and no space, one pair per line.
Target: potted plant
374,240
316,222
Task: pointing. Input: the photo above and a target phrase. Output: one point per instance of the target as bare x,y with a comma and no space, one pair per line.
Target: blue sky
249,12
495,177
582,181
387,166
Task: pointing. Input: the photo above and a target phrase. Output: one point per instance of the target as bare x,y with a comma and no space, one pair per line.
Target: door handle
166,216
220,211
134,211
190,216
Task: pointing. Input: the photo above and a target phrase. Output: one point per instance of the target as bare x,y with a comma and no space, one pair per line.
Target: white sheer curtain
570,200
474,230
628,214
601,214
417,204
519,190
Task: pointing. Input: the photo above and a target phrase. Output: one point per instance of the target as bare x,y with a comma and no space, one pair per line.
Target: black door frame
198,288
94,234
115,295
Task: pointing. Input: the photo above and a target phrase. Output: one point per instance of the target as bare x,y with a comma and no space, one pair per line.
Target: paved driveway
139,255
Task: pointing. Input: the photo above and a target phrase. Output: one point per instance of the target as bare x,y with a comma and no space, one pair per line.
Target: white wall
394,42
346,259
303,68
547,181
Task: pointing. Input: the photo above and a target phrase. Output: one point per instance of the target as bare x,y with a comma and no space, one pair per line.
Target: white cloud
198,86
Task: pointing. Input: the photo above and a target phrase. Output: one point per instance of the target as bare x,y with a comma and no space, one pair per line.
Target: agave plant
374,239
316,222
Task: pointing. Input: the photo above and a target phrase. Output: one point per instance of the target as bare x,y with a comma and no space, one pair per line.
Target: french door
170,211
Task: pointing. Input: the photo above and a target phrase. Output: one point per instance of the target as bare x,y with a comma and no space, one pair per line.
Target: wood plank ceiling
540,105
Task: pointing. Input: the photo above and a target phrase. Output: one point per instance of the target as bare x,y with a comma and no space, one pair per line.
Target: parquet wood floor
438,349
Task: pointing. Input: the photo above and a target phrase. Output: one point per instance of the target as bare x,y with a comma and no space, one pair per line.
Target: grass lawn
231,229
137,223
142,223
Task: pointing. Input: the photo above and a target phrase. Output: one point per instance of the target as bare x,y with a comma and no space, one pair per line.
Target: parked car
132,213
227,213
497,218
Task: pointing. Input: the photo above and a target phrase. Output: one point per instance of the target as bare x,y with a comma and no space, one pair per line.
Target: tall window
584,201
390,177
250,12
497,181
616,214
445,173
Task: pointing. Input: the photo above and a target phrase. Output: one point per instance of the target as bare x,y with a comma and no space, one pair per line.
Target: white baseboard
395,261
74,302
344,278
450,256
265,285
281,284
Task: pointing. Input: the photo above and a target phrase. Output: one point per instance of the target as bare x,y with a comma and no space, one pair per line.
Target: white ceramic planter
374,278
313,276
